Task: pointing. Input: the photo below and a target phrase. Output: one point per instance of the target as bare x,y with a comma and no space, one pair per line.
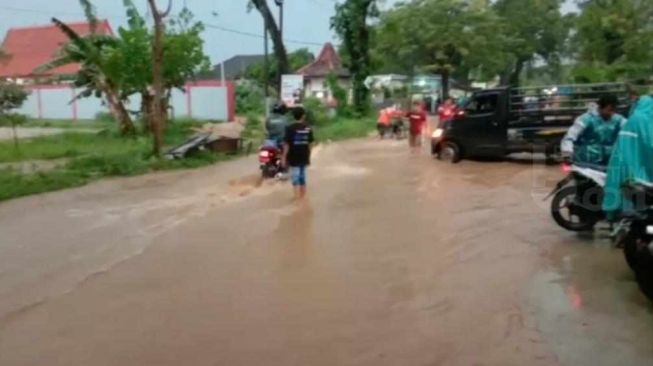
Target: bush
340,95
254,130
316,111
104,116
249,99
179,130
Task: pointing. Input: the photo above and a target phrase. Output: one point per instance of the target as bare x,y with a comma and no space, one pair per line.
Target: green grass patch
106,142
67,145
92,156
15,184
66,123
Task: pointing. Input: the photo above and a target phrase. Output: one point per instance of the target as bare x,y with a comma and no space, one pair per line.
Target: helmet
280,108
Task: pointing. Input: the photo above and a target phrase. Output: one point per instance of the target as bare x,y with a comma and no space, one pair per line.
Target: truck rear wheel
450,151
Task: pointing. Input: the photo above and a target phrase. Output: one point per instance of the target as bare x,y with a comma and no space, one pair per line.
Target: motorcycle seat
596,167
639,193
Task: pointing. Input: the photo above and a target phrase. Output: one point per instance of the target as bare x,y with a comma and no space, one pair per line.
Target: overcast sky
306,21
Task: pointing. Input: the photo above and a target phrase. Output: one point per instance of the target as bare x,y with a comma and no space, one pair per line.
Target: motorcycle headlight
437,133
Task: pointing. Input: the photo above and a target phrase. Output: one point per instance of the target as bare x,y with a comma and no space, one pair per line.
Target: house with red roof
30,47
315,74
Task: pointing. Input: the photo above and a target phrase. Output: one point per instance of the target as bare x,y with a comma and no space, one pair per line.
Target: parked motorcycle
638,240
269,158
577,199
398,128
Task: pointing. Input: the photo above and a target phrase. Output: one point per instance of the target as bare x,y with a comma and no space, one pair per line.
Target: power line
212,26
36,11
255,35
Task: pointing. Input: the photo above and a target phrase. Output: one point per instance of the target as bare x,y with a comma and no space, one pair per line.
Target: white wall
205,103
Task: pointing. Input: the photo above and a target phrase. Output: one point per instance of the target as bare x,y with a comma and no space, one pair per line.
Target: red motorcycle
269,158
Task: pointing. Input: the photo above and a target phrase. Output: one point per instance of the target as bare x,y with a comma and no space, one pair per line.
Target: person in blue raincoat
592,136
632,158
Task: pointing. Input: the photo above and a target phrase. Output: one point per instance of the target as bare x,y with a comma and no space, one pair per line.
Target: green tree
536,28
448,37
339,94
351,25
613,40
12,97
130,61
90,51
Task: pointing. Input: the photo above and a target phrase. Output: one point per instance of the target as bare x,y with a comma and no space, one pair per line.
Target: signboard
292,89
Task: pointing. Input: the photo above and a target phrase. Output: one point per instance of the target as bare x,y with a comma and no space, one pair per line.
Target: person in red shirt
384,121
417,121
447,110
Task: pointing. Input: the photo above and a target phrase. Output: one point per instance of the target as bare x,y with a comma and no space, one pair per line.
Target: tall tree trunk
165,104
446,81
275,34
146,111
362,64
157,74
516,73
350,23
15,134
119,112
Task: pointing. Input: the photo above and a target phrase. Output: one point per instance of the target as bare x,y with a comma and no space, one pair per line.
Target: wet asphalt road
396,259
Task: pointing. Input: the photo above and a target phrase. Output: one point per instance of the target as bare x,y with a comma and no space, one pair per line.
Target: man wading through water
297,151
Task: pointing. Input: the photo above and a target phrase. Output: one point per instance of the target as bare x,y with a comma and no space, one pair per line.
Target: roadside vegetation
87,157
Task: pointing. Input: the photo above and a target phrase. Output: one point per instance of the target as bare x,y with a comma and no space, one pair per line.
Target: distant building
235,67
315,74
30,47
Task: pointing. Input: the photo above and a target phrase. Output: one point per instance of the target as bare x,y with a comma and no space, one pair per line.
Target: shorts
382,128
298,175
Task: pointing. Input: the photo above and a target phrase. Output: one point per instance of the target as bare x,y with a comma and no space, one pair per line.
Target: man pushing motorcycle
591,138
577,199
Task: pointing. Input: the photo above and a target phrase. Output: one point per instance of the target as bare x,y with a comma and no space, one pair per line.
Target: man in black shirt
297,151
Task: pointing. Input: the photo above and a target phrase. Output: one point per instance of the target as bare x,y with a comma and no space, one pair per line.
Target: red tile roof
327,62
31,47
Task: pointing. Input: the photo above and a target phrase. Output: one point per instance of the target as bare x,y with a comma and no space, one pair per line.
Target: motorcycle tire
585,223
644,278
631,246
268,172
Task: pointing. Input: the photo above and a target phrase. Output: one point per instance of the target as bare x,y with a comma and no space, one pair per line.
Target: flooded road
395,260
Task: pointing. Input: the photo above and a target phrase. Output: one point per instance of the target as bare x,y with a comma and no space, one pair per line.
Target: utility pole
266,72
279,72
280,5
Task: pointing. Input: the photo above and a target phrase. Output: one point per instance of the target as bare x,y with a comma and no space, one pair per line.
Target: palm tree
90,52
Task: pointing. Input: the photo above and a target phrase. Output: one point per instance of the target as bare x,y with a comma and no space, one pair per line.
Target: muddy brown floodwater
396,260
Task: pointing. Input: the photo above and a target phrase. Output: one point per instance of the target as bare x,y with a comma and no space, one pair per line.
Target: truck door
486,129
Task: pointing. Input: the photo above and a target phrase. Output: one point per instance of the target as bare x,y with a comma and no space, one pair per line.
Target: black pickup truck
501,121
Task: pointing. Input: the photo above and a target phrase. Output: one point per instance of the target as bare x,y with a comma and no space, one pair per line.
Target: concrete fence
204,100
